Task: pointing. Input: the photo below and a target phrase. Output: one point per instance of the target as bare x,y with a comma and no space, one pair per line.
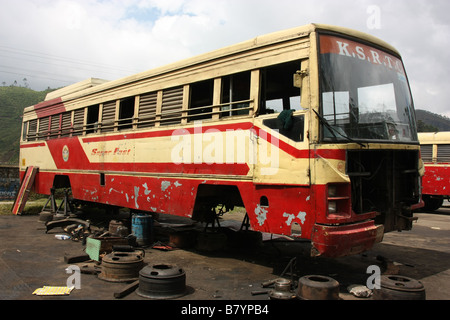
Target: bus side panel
436,180
172,196
164,195
277,209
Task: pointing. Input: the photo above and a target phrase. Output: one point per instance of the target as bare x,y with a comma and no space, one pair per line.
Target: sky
55,43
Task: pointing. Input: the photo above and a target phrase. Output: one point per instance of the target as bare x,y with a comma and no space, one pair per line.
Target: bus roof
434,137
89,87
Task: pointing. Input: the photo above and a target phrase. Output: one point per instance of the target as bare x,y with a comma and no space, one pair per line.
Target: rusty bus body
311,129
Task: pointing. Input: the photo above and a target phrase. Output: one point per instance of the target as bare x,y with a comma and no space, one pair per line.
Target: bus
312,130
435,151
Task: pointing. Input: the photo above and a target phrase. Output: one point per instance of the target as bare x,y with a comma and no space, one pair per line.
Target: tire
432,203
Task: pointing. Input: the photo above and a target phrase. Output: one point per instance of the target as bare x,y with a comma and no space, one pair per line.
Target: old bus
435,151
312,130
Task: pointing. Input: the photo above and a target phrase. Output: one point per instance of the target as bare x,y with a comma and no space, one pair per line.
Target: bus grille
384,181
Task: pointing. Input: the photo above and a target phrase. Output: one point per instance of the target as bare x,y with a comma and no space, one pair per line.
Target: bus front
366,114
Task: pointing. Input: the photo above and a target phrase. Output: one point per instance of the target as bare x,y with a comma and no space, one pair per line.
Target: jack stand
245,223
65,203
52,202
290,266
215,218
213,221
54,210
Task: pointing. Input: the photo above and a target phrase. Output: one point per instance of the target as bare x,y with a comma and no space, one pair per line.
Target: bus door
282,150
282,146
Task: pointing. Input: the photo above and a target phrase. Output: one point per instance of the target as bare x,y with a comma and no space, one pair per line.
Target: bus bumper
338,241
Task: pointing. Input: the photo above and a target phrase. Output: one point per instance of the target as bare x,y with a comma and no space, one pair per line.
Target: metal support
65,204
290,266
51,200
245,222
63,210
215,218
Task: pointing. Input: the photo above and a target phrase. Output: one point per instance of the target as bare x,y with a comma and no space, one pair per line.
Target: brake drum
396,287
121,266
162,281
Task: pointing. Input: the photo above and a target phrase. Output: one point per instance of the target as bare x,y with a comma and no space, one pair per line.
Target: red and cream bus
435,151
311,129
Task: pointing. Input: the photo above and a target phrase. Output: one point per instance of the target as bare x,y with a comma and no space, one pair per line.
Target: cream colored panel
37,156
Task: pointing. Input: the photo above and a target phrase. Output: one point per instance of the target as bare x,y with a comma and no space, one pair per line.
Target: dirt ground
30,258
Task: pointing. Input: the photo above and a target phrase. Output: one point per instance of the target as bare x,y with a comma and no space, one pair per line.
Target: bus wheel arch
61,182
213,200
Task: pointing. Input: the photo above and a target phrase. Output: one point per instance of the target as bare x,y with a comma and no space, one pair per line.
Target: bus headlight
332,207
338,199
332,191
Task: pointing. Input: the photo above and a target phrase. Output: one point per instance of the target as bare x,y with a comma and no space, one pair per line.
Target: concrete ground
30,258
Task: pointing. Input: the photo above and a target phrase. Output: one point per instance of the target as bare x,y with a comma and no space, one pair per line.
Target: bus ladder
24,190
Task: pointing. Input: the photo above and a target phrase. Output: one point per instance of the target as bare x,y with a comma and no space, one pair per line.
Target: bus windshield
364,94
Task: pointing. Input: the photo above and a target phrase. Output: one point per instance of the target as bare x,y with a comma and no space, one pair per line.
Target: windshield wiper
333,130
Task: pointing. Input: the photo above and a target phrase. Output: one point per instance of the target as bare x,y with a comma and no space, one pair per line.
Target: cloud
59,42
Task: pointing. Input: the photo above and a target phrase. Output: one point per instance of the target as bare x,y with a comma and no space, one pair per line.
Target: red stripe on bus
190,168
33,145
332,154
174,132
48,108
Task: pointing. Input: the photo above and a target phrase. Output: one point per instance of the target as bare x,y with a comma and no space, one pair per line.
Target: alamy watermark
374,19
73,281
374,280
232,146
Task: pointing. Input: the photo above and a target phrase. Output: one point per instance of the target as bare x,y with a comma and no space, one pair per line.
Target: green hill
13,100
431,122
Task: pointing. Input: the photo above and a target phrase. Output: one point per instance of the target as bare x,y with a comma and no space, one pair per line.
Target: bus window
292,128
66,124
32,128
24,131
235,91
147,110
126,113
55,122
201,100
43,128
78,121
92,119
172,105
336,107
108,116
426,151
443,153
277,90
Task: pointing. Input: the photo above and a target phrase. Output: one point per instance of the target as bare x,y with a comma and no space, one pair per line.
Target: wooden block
75,258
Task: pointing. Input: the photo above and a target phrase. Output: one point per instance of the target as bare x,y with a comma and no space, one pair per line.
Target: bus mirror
298,77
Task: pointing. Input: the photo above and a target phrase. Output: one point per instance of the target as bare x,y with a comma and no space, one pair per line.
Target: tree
424,127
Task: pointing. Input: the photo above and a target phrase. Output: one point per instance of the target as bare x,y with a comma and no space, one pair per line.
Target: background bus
311,129
435,150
